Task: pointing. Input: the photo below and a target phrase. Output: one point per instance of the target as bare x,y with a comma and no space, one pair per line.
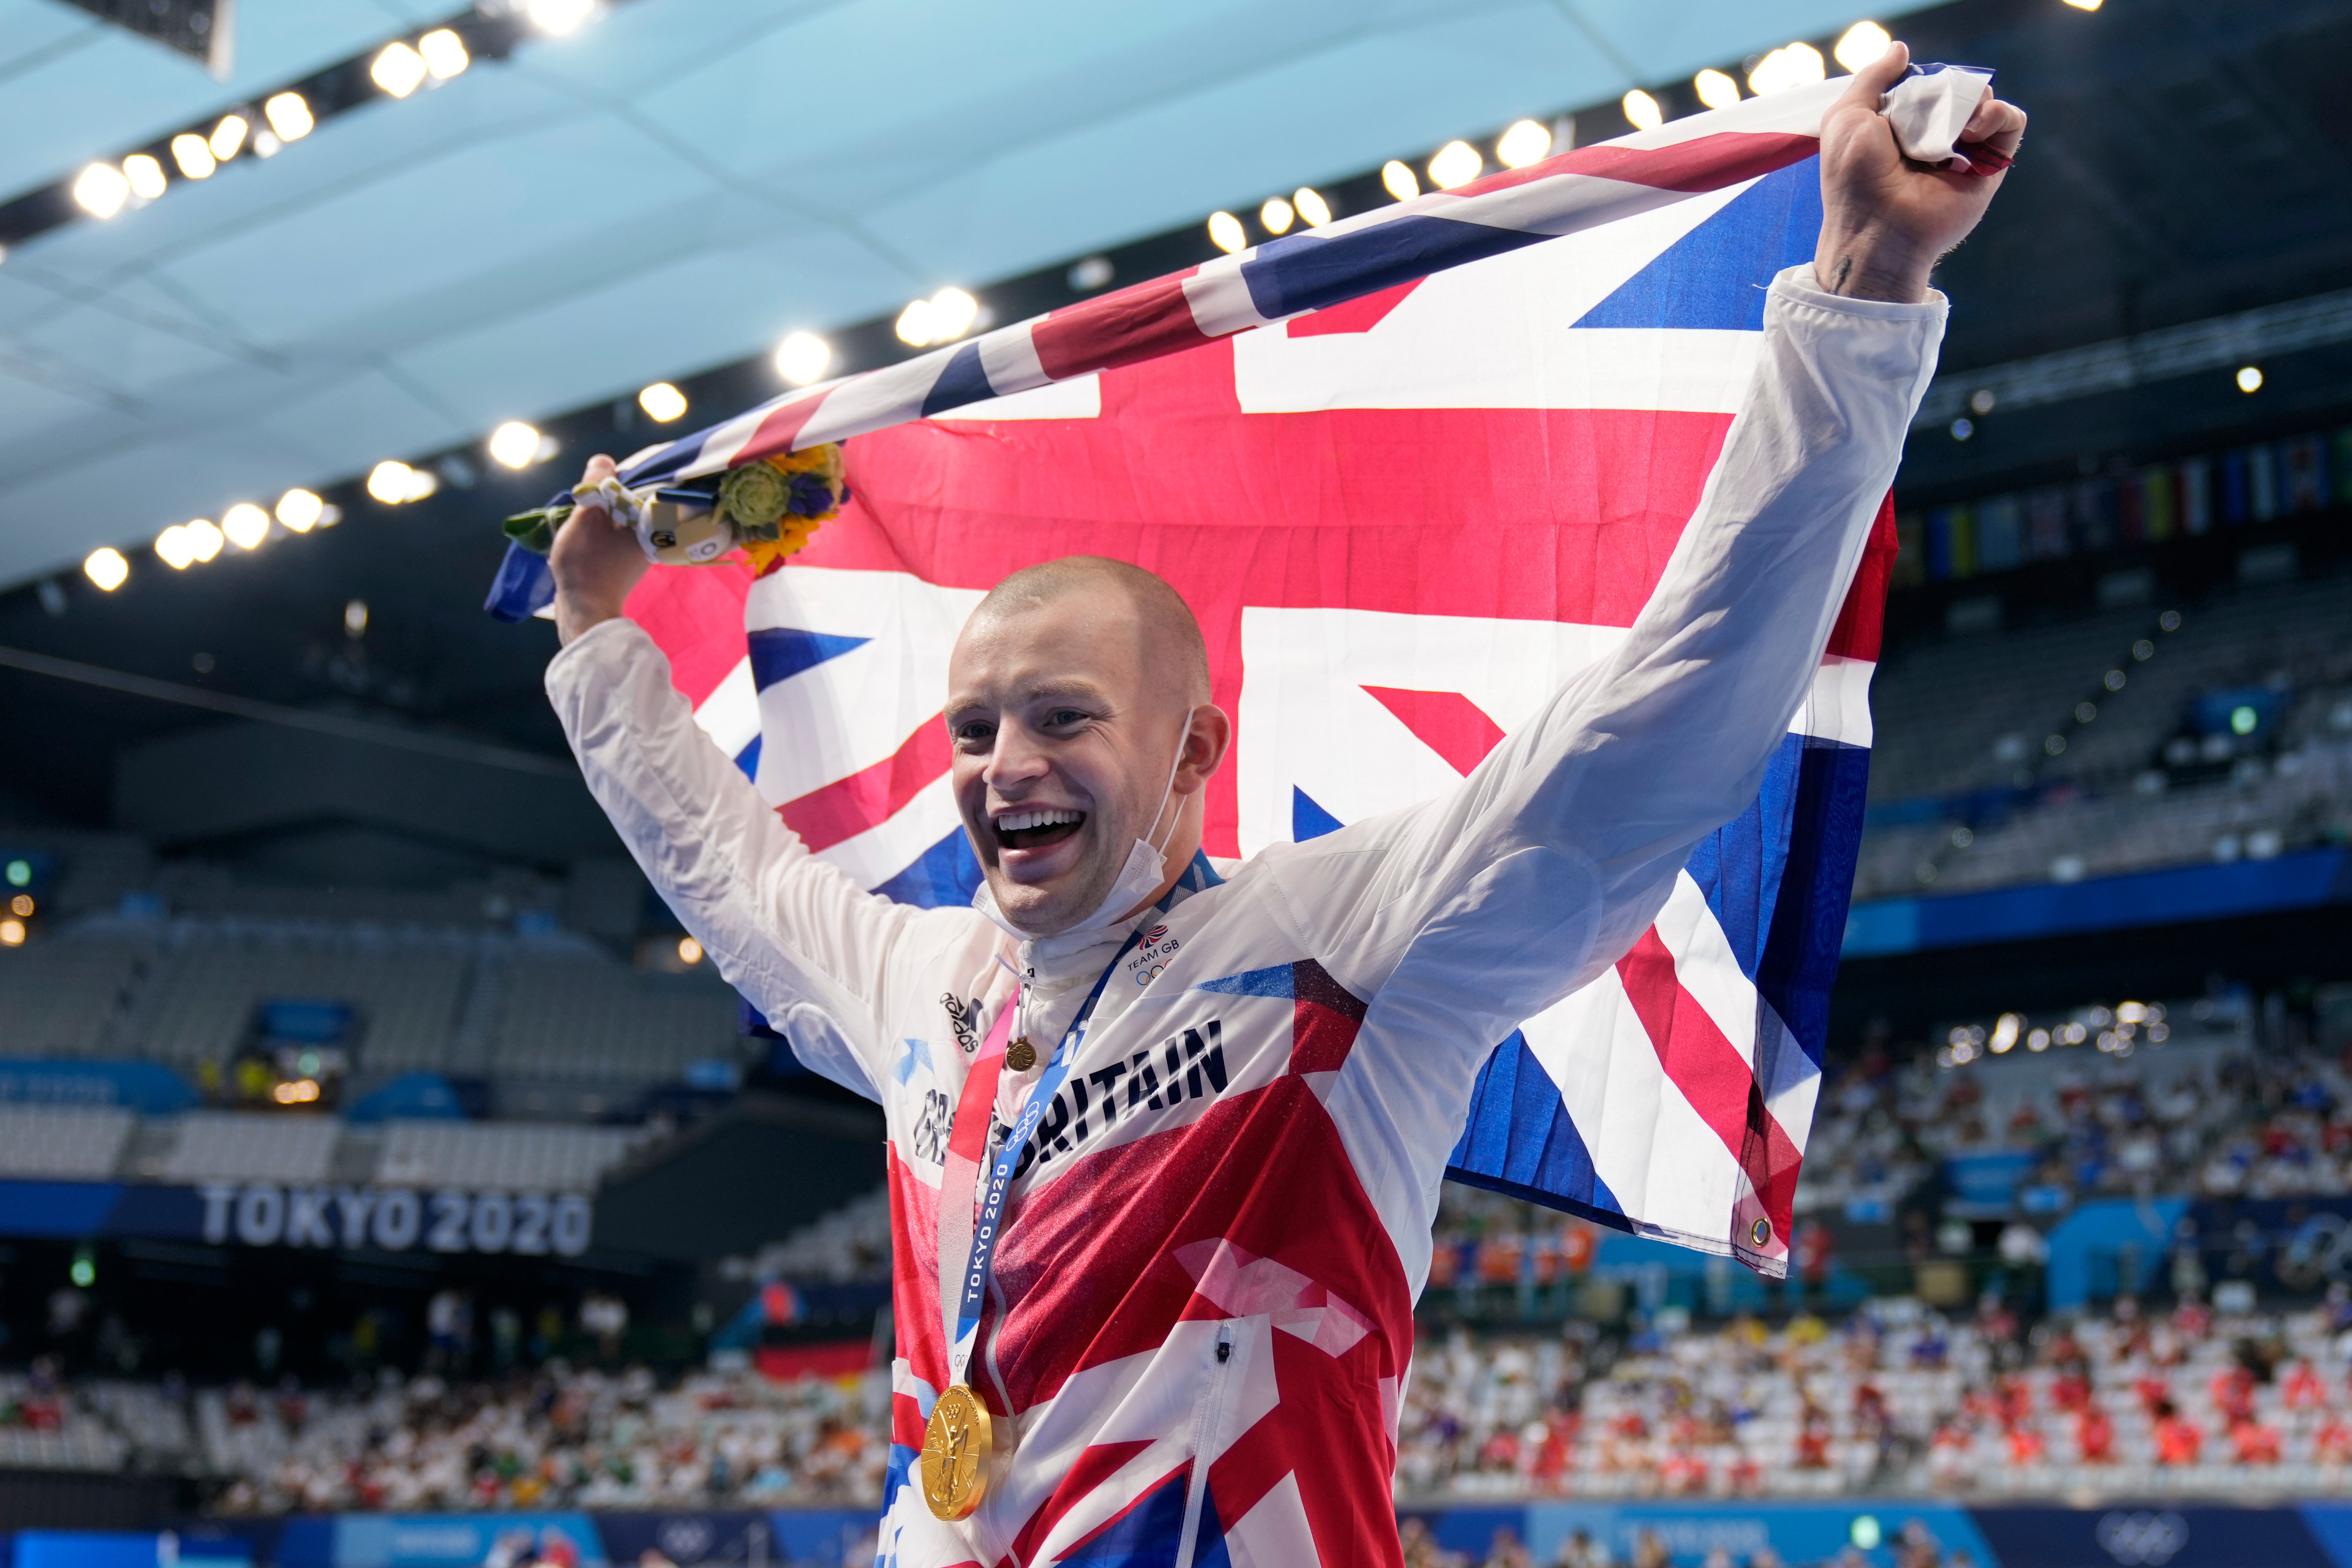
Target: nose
1014,762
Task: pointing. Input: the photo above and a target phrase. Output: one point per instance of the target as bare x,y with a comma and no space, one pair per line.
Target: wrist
576,613
1866,265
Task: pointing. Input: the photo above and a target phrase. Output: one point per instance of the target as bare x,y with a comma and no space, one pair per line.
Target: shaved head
1173,654
1075,688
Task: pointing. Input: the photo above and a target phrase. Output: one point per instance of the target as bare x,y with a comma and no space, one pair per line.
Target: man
1172,1133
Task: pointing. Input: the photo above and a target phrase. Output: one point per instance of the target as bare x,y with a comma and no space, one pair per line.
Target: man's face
1062,752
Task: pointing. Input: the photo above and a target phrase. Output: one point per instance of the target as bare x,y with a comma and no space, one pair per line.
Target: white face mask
1139,879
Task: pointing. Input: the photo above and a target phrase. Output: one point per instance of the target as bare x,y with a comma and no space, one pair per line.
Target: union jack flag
1412,470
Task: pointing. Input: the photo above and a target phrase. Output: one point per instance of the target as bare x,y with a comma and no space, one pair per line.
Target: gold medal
958,1443
1021,1056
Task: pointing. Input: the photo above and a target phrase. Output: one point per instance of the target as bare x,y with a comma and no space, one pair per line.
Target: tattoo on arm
1844,272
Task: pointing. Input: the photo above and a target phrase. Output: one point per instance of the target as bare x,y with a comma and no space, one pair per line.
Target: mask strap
1168,789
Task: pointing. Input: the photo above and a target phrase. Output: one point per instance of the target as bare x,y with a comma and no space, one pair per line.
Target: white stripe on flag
730,714
1648,1146
1706,966
884,850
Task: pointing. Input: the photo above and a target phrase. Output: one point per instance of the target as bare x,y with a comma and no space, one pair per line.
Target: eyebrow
1063,688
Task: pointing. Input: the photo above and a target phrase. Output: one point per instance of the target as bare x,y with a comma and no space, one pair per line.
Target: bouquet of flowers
759,513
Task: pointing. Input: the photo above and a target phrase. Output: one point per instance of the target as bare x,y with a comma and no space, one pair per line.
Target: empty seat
250,1147
63,1142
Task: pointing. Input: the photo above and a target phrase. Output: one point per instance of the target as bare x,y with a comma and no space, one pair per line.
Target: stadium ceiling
675,185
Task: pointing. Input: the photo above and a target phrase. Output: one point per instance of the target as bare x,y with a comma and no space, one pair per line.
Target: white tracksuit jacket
1212,1250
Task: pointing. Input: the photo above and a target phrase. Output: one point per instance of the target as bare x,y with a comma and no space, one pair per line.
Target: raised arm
809,948
1550,859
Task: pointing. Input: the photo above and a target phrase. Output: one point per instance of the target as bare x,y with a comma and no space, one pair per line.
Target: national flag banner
1413,471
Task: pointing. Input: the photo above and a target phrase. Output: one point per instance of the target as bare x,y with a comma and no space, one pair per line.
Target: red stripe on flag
1134,324
779,430
848,808
1864,615
678,608
1711,1074
1701,164
1445,722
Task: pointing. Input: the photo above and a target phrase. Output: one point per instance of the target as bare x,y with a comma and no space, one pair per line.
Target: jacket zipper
1213,1409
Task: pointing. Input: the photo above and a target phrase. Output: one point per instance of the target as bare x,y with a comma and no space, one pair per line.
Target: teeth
1016,821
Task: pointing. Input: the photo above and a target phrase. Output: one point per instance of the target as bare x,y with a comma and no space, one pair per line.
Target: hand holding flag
1886,217
594,567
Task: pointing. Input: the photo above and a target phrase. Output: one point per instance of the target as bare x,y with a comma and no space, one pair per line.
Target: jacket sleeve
1549,861
814,952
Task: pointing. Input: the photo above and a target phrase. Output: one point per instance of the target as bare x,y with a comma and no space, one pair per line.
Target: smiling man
1166,1137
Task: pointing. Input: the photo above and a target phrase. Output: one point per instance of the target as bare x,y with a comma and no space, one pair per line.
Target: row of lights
392,482
103,189
19,874
1790,66
1983,400
2116,1032
1527,141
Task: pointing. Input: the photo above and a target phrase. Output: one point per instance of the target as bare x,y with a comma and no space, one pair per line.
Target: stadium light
399,69
194,157
1456,163
662,402
1401,181
1642,111
1277,215
1312,207
1226,233
21,906
444,54
12,933
290,116
689,951
391,481
1716,89
2250,379
355,618
143,175
205,540
100,190
20,873
1862,43
952,313
300,510
559,16
173,549
515,444
106,567
1792,65
246,525
2084,4
1527,142
802,357
227,137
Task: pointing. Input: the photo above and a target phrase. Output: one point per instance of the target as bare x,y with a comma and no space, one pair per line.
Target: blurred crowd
561,1438
2104,1101
1913,1545
1893,1398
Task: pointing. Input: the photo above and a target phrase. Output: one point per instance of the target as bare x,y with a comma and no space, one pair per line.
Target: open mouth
1037,827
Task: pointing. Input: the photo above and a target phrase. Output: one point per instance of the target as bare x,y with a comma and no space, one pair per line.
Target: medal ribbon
967,1244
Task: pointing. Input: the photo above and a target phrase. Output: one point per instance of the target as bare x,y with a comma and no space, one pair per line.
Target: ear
1208,735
